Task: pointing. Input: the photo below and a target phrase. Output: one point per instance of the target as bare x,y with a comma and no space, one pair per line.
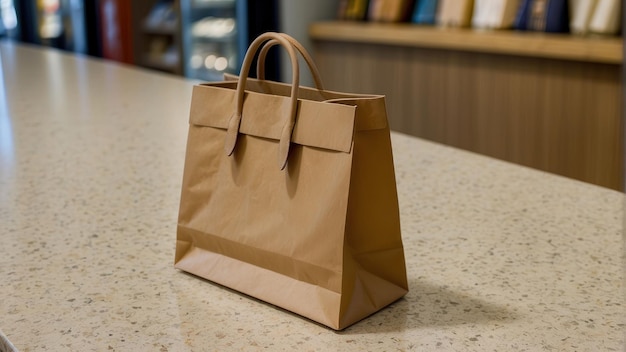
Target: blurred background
534,82
196,38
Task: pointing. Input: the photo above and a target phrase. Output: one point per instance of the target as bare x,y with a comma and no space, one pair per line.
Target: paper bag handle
235,120
260,68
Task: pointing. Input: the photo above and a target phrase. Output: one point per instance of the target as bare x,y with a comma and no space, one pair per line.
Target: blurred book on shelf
580,15
551,16
494,14
425,12
543,16
455,13
522,14
353,10
606,17
390,10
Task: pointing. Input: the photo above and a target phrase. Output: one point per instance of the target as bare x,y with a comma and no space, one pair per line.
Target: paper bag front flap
371,110
318,124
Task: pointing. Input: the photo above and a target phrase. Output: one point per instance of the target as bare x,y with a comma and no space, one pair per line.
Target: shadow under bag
289,194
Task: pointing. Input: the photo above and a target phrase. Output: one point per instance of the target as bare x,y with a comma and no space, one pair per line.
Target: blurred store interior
199,39
534,82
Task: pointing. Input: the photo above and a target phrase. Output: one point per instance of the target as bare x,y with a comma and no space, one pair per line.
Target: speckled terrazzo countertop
499,257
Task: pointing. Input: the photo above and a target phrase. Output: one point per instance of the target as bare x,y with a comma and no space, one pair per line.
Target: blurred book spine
353,10
390,10
455,13
543,16
606,17
580,15
552,16
494,14
425,12
522,15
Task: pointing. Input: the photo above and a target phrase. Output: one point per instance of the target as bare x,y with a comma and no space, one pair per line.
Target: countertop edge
5,344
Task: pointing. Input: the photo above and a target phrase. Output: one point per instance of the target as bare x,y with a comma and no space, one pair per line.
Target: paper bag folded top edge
323,124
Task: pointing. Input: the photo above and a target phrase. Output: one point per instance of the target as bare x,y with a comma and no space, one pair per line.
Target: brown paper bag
317,232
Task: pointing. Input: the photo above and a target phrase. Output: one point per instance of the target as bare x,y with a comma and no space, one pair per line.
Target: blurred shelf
228,40
545,45
211,4
547,101
162,29
156,35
